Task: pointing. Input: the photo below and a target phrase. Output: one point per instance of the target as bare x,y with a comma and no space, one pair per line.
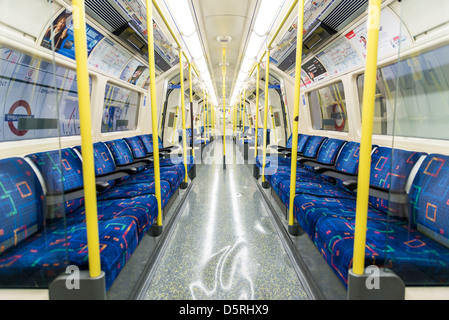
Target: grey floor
225,238
224,245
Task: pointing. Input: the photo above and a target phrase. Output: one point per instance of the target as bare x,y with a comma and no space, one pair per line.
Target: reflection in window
412,96
328,108
120,109
31,91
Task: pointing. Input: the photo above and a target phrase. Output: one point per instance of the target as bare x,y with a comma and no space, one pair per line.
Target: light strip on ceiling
266,16
181,14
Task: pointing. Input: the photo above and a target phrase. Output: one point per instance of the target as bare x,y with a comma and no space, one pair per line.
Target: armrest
398,196
350,184
330,171
101,186
53,198
119,173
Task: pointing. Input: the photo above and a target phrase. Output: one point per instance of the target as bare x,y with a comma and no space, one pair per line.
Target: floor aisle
225,245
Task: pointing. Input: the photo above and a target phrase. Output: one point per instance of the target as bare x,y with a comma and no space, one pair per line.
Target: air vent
104,10
343,11
160,62
289,60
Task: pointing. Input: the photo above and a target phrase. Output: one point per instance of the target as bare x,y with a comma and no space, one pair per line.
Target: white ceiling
224,18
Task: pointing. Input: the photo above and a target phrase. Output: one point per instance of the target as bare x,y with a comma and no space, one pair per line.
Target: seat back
348,159
302,140
22,202
289,142
136,146
329,151
312,146
428,200
62,172
390,169
120,151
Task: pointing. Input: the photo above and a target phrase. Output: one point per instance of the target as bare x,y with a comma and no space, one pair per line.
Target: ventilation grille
160,61
107,12
342,12
288,61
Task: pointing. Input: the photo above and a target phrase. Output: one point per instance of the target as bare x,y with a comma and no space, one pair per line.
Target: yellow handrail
183,113
265,116
299,39
191,107
257,110
369,92
90,192
224,107
152,88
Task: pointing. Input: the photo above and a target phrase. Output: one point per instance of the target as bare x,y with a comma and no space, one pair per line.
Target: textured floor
225,245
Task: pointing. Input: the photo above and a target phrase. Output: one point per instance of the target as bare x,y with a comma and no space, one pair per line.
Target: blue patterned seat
393,240
325,152
33,252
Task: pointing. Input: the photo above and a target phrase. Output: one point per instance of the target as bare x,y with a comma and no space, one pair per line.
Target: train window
328,108
412,96
121,106
33,92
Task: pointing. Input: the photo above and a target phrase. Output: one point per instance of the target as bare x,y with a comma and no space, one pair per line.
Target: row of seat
43,226
408,225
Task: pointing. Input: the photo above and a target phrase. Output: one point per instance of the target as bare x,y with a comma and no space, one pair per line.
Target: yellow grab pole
183,112
257,110
299,38
224,107
204,115
244,110
90,192
151,64
191,107
369,92
265,119
207,117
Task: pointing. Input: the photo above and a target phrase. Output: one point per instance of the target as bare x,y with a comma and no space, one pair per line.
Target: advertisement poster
63,36
340,57
314,69
109,57
389,36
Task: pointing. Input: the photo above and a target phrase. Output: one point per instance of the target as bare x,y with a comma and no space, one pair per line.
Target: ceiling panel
219,18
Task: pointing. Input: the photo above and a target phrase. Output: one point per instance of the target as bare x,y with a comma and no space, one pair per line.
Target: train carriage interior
224,150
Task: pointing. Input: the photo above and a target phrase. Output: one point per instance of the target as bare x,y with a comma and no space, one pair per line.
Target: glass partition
409,204
120,110
328,108
38,106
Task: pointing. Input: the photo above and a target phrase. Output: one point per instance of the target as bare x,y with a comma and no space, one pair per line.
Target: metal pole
292,228
151,63
90,192
369,92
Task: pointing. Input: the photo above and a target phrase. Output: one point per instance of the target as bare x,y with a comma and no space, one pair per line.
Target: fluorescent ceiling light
181,13
194,45
267,11
255,42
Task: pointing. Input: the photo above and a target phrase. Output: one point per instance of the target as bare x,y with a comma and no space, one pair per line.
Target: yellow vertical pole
208,117
183,112
244,109
257,109
204,115
299,38
191,106
224,107
90,192
151,63
369,92
265,118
